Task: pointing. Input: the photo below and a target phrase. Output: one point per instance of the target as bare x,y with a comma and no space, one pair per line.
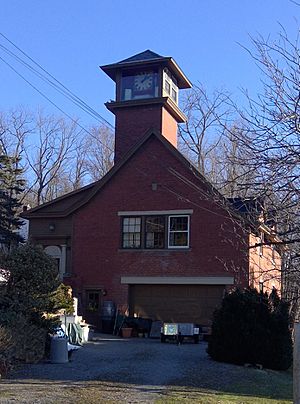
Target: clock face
143,81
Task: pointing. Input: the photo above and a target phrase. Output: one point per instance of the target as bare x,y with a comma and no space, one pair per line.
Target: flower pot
126,332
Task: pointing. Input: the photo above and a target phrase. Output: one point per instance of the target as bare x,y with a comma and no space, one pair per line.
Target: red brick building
153,234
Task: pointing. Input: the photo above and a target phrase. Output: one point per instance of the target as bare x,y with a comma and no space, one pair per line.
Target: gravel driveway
116,370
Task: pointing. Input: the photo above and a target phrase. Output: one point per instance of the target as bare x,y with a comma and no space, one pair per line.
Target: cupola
147,95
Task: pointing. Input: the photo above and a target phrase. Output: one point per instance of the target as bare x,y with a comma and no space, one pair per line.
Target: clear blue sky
71,38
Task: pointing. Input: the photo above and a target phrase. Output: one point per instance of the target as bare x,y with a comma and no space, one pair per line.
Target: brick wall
216,242
133,123
265,265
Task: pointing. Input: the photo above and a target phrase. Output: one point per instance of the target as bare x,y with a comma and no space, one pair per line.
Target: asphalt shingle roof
146,55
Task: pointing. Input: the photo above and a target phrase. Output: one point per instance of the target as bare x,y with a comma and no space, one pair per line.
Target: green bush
62,299
29,301
251,327
6,345
28,340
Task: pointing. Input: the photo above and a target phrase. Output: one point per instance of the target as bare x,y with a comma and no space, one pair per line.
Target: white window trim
140,232
182,231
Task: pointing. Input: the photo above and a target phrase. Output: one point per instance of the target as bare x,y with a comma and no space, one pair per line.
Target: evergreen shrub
252,327
29,300
6,345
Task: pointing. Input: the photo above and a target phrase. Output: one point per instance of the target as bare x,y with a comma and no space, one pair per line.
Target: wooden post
296,364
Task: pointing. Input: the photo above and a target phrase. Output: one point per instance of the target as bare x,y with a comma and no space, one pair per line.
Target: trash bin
59,350
108,312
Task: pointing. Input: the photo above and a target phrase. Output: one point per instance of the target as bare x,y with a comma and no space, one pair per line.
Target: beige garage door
175,303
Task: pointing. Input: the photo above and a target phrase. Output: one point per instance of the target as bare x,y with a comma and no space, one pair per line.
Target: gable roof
73,200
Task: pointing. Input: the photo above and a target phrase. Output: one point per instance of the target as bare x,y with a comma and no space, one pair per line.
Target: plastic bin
59,350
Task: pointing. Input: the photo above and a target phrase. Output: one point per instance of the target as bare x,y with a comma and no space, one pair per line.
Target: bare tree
99,152
214,140
270,137
201,136
47,155
236,178
56,155
210,141
15,127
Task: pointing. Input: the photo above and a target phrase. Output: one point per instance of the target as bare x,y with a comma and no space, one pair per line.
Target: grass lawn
251,386
217,398
248,386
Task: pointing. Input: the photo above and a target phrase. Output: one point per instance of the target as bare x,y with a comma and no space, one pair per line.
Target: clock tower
147,87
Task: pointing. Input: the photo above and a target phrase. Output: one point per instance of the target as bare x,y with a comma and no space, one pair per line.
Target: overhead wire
175,193
51,83
59,86
53,103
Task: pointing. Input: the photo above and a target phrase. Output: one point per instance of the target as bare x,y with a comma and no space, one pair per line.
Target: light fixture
51,226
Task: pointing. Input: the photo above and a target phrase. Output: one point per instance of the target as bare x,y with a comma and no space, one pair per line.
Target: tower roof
146,55
148,59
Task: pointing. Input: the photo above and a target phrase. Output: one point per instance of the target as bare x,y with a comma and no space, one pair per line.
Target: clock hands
143,81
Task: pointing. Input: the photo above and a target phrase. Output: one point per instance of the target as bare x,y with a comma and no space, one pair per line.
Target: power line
51,83
51,102
176,194
60,87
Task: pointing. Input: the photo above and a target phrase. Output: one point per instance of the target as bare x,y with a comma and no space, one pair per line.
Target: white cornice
177,280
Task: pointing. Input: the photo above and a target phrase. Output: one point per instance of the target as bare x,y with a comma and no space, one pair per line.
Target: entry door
92,307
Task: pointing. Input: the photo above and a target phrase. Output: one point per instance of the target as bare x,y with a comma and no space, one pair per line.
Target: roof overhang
183,82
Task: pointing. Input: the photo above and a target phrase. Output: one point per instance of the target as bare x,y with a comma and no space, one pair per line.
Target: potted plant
126,332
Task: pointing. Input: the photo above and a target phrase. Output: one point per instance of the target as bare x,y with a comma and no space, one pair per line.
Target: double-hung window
178,236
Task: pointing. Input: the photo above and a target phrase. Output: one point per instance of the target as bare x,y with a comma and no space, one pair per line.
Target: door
175,303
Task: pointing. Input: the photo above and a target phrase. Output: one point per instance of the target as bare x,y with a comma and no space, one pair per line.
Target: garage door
175,303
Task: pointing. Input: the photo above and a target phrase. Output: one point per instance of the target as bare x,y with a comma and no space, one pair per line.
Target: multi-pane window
155,232
170,88
178,231
93,300
167,87
174,95
131,232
